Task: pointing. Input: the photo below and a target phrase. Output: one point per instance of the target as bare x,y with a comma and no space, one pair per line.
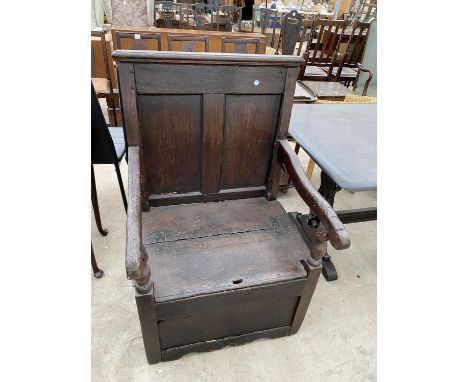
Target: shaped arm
136,259
369,79
330,227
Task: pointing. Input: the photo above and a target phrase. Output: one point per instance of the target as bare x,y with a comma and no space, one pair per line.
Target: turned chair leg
94,201
98,273
121,186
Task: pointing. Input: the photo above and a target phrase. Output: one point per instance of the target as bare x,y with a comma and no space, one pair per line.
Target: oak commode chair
215,259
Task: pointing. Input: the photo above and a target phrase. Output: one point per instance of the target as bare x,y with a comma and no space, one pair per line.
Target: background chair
202,16
104,85
290,31
168,14
240,44
139,41
187,43
268,18
345,66
107,147
322,46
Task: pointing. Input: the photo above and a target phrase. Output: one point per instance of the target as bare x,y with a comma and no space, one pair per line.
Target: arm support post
136,259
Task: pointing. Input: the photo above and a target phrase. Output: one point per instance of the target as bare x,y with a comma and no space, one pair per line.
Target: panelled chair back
188,43
345,65
322,46
240,44
145,41
214,258
290,32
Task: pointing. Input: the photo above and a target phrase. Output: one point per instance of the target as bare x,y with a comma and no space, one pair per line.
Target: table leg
328,189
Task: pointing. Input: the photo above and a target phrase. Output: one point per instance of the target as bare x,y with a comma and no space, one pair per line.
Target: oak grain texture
171,141
188,79
250,128
213,129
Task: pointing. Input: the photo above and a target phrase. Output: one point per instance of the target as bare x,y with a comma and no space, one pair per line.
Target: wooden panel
181,222
215,36
196,79
232,321
213,123
250,129
201,304
193,267
177,352
171,141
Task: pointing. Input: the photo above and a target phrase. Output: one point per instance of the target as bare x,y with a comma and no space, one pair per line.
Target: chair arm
136,258
369,79
334,229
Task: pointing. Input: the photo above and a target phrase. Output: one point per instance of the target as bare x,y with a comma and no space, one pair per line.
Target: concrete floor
337,341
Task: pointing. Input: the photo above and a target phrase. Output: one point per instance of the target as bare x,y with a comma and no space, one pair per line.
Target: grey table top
341,139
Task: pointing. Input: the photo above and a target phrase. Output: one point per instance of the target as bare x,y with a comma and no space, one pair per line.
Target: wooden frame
145,36
213,92
240,44
188,42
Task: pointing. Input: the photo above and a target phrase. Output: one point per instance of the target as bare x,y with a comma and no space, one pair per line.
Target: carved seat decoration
214,258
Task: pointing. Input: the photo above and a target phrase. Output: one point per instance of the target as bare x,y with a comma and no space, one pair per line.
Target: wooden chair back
166,14
228,16
201,16
103,51
290,32
139,41
268,18
240,44
323,41
207,124
355,46
187,43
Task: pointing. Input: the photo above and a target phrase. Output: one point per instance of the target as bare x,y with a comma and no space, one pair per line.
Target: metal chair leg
98,273
121,186
94,202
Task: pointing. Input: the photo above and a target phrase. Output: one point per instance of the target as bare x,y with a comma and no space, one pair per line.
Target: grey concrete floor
337,341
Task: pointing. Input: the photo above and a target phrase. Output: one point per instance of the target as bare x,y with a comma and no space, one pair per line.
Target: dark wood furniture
202,15
104,85
187,43
214,258
345,66
268,18
341,139
291,27
107,147
227,16
322,46
327,90
239,45
138,41
214,37
167,14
